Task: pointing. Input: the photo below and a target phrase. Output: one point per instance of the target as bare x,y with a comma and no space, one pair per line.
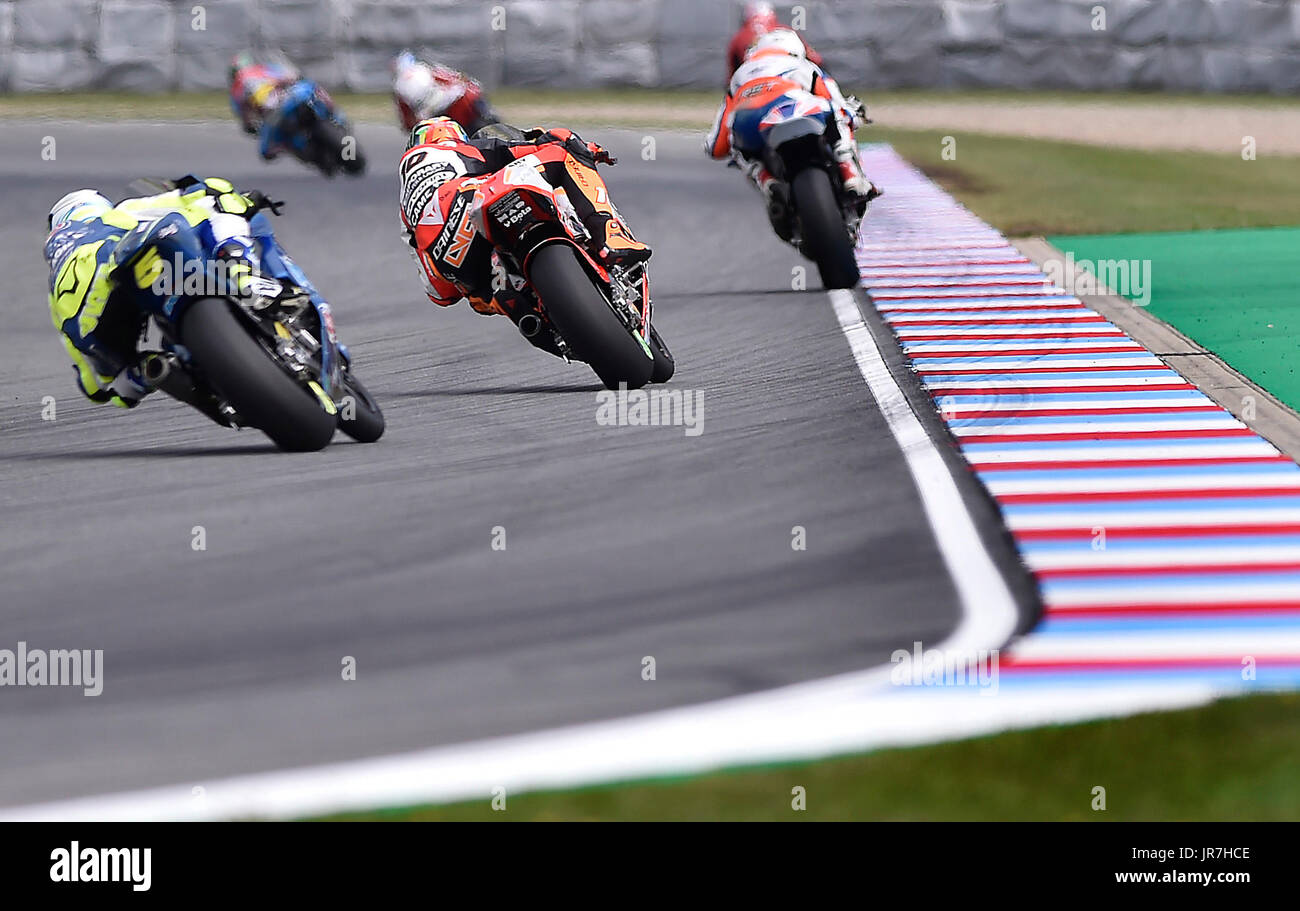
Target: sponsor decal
411,160
460,243
509,210
417,195
454,217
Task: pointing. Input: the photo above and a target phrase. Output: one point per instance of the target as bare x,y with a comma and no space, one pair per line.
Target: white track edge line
802,721
989,610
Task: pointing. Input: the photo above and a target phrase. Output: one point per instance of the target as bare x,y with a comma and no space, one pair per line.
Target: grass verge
1233,760
1030,186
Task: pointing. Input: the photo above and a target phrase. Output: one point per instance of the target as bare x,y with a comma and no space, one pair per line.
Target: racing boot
860,190
776,199
617,245
610,239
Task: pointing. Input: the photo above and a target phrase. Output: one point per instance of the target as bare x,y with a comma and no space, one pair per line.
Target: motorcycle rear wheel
244,373
825,240
331,142
585,319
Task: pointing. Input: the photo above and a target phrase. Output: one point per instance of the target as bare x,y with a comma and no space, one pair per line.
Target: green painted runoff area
1234,292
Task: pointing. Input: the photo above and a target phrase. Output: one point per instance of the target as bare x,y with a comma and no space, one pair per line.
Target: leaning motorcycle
535,241
249,344
317,133
793,137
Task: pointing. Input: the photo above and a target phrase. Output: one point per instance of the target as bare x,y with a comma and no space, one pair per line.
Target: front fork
630,296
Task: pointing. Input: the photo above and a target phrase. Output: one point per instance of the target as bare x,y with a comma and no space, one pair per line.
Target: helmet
413,81
761,13
436,129
76,203
781,39
404,60
240,61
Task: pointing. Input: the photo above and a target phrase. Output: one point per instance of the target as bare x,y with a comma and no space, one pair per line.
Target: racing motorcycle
249,344
537,244
316,132
469,105
809,209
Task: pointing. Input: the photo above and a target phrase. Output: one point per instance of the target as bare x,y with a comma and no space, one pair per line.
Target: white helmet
780,39
413,82
76,203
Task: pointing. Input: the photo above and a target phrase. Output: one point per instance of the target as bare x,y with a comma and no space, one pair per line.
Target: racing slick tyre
585,319
825,239
246,375
338,150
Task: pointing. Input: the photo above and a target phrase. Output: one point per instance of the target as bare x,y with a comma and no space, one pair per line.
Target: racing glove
263,202
588,152
601,154
857,112
227,199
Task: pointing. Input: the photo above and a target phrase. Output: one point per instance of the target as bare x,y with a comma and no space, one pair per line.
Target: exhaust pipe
529,325
156,368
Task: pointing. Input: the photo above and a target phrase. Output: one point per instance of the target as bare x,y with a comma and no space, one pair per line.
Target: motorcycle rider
757,19
439,159
422,91
100,325
258,89
773,67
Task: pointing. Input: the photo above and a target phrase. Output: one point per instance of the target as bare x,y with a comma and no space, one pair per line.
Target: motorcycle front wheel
360,418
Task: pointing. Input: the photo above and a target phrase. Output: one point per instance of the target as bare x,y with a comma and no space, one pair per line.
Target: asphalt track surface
621,542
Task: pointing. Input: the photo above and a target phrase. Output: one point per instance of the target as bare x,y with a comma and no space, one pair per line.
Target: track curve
620,542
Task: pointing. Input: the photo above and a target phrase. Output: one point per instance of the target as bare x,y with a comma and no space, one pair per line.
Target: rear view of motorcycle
247,341
318,133
273,101
809,208
526,233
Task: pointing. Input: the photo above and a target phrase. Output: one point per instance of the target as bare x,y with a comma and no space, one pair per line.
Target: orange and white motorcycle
518,227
